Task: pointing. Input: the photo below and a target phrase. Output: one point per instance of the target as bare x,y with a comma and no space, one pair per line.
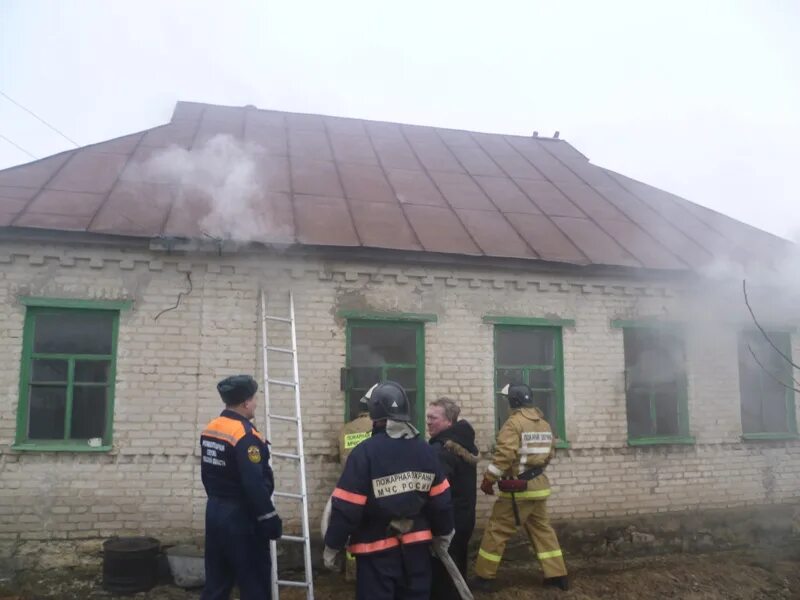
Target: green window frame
527,370
354,384
657,398
767,401
71,371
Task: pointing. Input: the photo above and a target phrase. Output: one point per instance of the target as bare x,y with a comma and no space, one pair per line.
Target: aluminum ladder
299,458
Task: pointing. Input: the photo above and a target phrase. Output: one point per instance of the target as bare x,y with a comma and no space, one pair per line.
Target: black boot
561,582
479,584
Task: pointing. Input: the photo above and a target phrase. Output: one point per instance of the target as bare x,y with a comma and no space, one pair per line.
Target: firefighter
352,434
524,448
240,516
392,502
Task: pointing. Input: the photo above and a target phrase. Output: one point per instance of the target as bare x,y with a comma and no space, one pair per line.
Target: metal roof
330,181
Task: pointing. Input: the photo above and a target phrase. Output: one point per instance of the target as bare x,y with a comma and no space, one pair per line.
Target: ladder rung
281,319
292,583
285,455
288,495
282,382
277,349
293,538
282,418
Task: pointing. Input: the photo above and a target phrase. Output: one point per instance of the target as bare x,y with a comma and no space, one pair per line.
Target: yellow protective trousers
501,526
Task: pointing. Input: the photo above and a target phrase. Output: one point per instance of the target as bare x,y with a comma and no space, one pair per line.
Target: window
655,385
767,402
385,350
531,355
67,377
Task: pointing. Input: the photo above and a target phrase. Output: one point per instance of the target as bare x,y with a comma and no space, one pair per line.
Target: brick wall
167,368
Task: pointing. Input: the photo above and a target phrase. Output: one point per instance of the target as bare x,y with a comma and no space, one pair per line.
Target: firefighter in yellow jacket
351,435
524,448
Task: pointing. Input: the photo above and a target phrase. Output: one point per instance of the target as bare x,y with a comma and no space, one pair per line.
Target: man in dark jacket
454,442
391,503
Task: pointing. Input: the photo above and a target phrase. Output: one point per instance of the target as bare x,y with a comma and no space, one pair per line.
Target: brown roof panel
188,110
305,122
346,127
273,172
7,216
309,143
475,161
590,202
121,145
382,225
663,204
366,183
17,193
59,202
273,219
35,174
191,216
588,173
208,130
178,133
229,117
561,149
135,208
641,245
461,191
547,240
658,227
414,187
88,171
353,148
544,162
494,234
548,198
315,178
394,152
439,230
267,138
324,222
506,195
594,242
60,222
430,150
517,166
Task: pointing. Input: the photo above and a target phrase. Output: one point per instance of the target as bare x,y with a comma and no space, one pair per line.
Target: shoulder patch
254,454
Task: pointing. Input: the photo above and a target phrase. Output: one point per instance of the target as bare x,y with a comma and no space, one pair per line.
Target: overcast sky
700,98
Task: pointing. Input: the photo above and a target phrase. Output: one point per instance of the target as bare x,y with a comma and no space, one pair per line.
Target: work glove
442,542
331,558
487,486
270,529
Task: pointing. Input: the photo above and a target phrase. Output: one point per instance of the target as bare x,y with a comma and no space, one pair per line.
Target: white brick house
639,360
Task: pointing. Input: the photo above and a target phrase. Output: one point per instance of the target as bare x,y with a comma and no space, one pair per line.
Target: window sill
58,447
765,437
661,441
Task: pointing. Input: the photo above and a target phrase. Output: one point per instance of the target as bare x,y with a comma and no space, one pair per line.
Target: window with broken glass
655,385
385,351
533,356
67,379
765,384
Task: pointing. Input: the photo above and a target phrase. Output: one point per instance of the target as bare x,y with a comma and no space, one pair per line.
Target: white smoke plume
222,180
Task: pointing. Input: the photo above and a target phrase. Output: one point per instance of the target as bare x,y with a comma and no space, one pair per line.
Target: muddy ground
752,575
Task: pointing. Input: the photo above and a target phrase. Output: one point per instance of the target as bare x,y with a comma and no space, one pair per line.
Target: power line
33,114
18,147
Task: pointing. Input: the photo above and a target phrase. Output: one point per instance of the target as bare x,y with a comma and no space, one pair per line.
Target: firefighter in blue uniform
392,502
240,516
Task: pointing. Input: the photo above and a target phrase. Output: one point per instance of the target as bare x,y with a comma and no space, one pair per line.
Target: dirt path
755,575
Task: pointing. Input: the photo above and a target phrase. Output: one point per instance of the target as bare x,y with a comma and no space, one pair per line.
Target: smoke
220,183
